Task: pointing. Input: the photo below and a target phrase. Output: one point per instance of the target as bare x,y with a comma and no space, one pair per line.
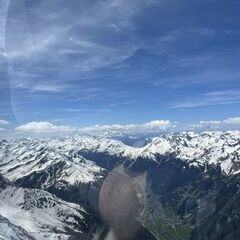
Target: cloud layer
226,124
43,127
151,128
157,126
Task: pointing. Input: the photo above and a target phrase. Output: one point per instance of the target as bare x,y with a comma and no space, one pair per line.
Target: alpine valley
187,184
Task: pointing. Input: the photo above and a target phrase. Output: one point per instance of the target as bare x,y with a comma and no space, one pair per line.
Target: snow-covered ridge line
20,158
217,147
214,147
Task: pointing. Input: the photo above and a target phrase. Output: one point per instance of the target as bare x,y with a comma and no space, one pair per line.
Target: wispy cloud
226,124
168,40
74,110
48,88
3,16
201,77
209,99
59,42
70,48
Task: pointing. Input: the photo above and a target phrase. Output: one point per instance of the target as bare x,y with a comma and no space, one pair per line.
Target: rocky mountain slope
11,231
37,214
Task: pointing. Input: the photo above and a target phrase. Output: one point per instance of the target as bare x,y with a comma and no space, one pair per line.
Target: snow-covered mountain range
21,157
50,187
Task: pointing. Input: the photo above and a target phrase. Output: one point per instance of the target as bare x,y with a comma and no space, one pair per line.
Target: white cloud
48,88
157,126
43,127
151,128
206,125
210,99
2,129
226,124
3,122
232,121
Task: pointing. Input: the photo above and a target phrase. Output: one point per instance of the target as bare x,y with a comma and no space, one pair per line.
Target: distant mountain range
187,185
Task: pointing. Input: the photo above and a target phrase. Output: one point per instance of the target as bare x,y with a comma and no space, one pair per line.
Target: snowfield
40,213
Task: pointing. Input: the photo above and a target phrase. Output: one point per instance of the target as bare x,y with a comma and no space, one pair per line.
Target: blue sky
81,63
